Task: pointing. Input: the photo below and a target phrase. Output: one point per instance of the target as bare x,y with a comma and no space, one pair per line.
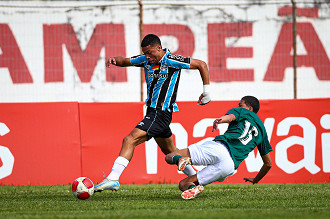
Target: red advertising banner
54,143
39,143
299,132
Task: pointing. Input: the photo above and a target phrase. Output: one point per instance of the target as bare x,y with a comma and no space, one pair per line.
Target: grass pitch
164,201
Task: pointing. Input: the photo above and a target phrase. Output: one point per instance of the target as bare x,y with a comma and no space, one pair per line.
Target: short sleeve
235,111
138,60
178,61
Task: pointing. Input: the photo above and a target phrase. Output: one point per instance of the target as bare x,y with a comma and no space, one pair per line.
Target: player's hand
203,99
110,61
215,124
249,179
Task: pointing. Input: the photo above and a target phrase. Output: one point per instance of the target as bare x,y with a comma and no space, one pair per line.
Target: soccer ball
82,188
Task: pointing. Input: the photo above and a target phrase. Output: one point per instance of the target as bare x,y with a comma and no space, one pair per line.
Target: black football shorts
156,123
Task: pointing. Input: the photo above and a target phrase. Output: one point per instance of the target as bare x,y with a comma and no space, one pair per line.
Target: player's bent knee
182,184
168,158
133,141
186,182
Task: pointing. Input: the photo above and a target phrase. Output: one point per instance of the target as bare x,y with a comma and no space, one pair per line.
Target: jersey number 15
248,133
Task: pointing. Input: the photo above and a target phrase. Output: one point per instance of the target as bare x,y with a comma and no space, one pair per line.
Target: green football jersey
244,134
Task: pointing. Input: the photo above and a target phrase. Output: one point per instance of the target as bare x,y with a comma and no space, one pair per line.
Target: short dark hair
150,39
253,102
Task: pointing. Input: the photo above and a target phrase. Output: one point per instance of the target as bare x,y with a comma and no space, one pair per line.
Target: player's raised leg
167,147
186,166
190,185
174,157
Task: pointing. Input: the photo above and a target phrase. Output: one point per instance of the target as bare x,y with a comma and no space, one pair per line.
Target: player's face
243,105
153,53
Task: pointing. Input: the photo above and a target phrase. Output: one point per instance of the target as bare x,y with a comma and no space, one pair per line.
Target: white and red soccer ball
82,188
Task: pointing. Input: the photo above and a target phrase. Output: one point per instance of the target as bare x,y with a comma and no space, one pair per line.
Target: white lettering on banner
325,137
151,156
308,142
201,127
3,129
254,162
181,142
6,156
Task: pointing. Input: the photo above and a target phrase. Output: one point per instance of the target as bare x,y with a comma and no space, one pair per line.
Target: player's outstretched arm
205,97
118,61
223,119
263,171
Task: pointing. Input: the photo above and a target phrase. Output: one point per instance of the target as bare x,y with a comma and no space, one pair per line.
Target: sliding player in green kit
223,155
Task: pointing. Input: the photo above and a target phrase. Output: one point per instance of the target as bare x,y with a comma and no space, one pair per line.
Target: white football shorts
216,157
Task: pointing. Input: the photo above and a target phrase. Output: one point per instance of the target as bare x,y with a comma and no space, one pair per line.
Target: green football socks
175,159
192,186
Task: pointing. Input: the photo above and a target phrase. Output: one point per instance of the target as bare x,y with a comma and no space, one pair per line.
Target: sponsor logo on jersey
157,75
176,57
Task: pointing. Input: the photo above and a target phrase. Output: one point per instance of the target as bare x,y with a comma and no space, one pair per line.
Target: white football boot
192,193
107,184
183,162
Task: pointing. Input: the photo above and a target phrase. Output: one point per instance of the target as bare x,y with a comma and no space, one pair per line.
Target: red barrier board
298,132
294,126
54,143
40,143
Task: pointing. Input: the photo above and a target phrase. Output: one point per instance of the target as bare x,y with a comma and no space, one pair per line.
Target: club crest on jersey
163,68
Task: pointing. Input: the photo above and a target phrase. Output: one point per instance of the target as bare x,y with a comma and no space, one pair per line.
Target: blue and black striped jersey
162,79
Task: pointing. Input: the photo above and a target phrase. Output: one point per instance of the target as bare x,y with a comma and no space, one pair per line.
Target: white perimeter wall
26,24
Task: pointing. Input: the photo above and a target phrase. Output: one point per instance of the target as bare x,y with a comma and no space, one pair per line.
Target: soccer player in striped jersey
162,74
223,155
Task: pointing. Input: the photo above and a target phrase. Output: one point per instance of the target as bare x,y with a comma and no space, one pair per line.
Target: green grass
164,201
